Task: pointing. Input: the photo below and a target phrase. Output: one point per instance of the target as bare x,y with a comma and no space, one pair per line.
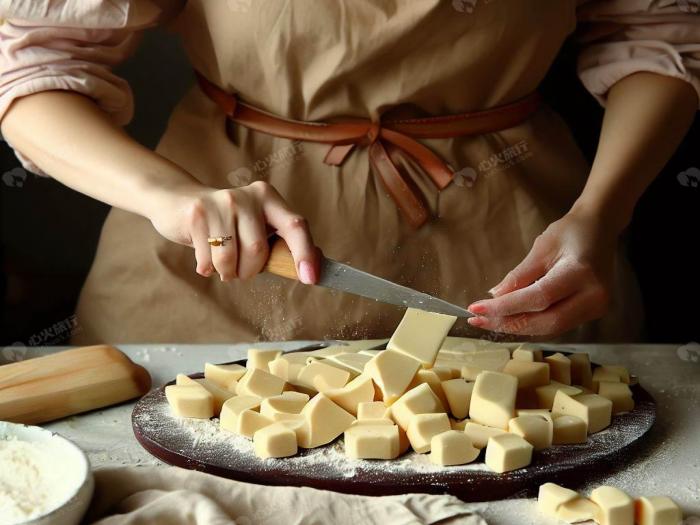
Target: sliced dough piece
285,406
352,362
420,335
233,408
249,422
559,368
445,373
527,352
493,399
529,374
359,390
190,401
507,452
418,400
569,430
492,359
225,376
259,358
545,394
321,377
275,441
452,448
578,510
184,380
620,395
287,367
581,373
257,382
534,412
219,394
325,422
372,441
551,496
536,430
458,345
372,410
392,372
657,510
616,507
433,381
459,395
423,427
620,371
600,374
595,410
480,434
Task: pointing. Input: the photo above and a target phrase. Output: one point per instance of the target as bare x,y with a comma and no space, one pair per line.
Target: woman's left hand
563,282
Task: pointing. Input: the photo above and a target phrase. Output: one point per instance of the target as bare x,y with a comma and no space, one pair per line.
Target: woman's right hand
246,214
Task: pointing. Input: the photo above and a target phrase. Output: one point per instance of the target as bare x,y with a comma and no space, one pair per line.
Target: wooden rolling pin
69,382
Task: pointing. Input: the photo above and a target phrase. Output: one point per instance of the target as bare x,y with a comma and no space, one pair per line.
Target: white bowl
70,464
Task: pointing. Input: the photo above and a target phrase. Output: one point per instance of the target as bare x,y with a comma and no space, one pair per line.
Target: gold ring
219,241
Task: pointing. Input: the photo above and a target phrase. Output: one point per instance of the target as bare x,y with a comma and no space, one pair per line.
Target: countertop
671,373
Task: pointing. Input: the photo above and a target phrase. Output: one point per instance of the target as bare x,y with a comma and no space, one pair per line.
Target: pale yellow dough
507,452
275,441
392,372
657,510
452,448
190,401
616,507
493,399
423,427
420,335
418,400
372,441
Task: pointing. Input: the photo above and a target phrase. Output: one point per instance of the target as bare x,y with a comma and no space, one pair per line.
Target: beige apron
324,60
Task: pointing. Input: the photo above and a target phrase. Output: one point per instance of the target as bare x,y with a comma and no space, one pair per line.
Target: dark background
49,233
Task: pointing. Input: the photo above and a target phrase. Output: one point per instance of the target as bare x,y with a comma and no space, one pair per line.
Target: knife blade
343,277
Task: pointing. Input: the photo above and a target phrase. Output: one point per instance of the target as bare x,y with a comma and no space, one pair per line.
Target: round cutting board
200,445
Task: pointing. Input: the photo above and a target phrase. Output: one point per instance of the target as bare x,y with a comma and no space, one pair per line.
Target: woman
525,217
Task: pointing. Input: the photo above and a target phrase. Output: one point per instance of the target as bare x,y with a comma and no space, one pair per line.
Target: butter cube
325,422
569,430
480,434
536,430
552,496
452,448
459,395
595,410
616,507
359,390
190,401
493,399
420,335
257,382
507,452
371,410
375,441
224,375
559,368
275,441
259,358
581,373
418,400
657,510
529,374
423,427
392,372
321,377
620,395
545,394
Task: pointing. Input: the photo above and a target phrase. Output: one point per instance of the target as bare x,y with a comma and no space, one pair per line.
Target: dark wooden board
170,439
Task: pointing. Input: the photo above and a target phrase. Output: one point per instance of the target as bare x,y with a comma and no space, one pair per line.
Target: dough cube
275,441
493,399
225,376
257,382
536,430
190,401
507,452
259,358
595,410
459,395
352,362
284,405
569,430
359,390
321,377
220,394
452,448
418,400
185,380
232,409
371,410
286,368
375,441
392,372
491,359
545,394
620,371
581,373
600,374
534,412
445,373
527,352
578,510
423,427
420,335
433,381
551,496
325,422
657,510
529,374
616,507
480,434
620,395
249,422
559,368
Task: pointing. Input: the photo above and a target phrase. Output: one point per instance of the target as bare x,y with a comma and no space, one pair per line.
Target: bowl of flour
45,479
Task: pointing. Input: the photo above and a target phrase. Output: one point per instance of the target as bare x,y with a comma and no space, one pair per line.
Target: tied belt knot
386,140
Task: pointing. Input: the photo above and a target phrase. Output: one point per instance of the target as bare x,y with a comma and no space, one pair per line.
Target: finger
225,256
531,268
558,283
198,235
253,249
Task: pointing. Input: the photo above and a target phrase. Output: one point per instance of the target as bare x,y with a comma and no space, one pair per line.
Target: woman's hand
563,282
246,214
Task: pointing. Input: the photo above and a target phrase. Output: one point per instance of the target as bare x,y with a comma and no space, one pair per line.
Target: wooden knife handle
280,261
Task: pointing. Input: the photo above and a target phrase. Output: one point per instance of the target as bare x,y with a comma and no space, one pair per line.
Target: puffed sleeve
622,37
71,45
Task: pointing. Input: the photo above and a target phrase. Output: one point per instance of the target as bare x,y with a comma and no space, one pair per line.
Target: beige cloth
324,60
175,496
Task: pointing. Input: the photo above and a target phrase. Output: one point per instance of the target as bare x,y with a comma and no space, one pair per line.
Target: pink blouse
74,44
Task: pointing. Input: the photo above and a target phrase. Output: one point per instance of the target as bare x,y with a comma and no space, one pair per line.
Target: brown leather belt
386,140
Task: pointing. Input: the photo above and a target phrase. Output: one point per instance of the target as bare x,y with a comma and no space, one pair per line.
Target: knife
345,278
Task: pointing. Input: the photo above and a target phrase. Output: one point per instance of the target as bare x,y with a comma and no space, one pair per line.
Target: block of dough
584,389
372,410
493,399
480,434
581,373
232,408
184,380
224,375
275,441
219,394
595,410
376,441
459,395
352,362
620,371
492,359
569,430
657,510
525,353
321,377
536,430
529,374
420,335
418,400
600,374
444,373
578,510
190,401
259,358
283,406
359,390
452,448
249,422
286,368
458,424
559,368
325,422
433,381
620,395
461,344
423,427
507,452
551,496
534,412
616,507
545,394
257,382
392,372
